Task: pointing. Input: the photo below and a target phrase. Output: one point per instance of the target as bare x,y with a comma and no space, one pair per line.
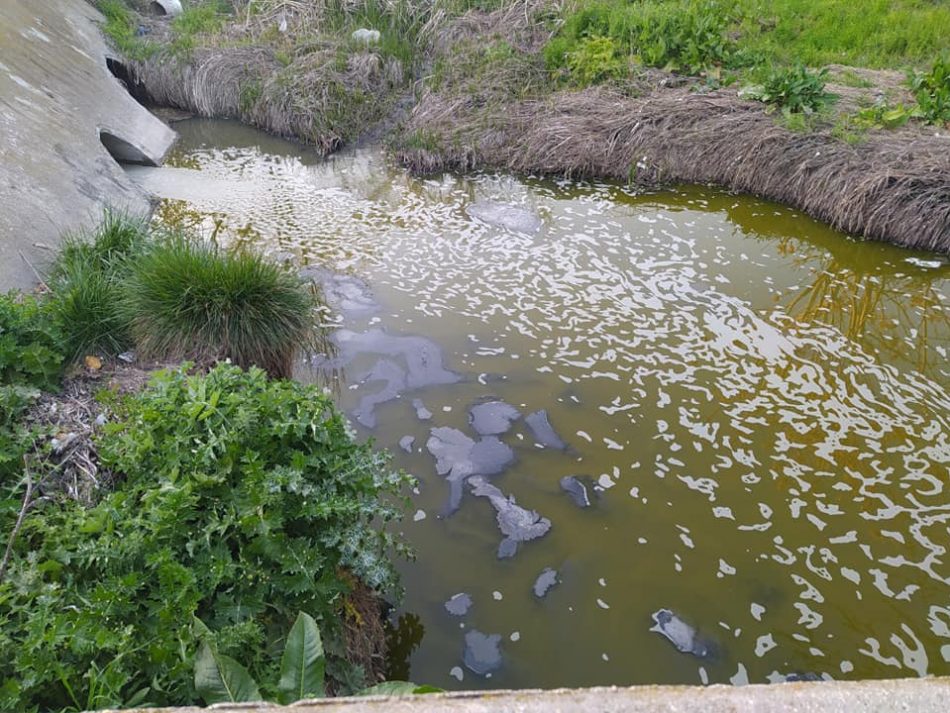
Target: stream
661,437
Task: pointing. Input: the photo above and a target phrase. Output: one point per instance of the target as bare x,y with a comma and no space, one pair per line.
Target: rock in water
683,636
493,418
543,431
406,443
516,524
499,215
545,581
459,604
482,654
577,489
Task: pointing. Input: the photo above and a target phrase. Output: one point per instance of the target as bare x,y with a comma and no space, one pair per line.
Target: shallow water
756,409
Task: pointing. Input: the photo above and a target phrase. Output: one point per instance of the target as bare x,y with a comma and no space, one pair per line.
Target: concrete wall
56,97
911,695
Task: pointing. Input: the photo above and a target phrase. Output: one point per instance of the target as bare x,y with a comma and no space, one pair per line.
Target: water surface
756,405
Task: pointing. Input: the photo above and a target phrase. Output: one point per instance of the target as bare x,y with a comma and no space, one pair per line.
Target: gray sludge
482,654
458,457
459,604
683,636
515,522
422,413
578,489
422,359
344,293
493,418
545,582
543,431
499,215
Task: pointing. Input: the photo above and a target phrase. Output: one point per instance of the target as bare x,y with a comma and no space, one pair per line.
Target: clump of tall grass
188,298
176,296
86,281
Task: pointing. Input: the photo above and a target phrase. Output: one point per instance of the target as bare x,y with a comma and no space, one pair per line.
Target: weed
594,60
120,27
31,358
242,501
86,283
793,90
684,35
932,91
188,298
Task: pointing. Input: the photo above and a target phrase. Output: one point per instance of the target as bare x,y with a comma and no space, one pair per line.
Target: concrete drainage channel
917,695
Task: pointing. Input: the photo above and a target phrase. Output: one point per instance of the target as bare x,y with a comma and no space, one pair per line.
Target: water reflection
755,406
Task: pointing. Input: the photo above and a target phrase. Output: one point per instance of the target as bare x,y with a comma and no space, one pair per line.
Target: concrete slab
916,695
59,104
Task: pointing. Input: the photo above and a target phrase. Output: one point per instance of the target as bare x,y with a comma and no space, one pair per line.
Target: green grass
86,283
120,27
189,298
175,296
693,36
878,34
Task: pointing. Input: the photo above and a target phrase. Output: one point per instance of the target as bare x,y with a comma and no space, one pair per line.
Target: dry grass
895,186
323,98
70,467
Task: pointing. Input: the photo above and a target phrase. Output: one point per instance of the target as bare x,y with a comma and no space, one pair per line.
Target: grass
188,298
878,34
693,36
120,27
174,296
86,283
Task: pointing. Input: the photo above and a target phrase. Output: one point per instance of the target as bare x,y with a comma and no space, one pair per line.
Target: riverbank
164,480
513,89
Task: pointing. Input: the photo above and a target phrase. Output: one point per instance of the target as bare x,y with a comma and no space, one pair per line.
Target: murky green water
761,404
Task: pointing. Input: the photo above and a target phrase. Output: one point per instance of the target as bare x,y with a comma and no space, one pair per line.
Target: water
755,406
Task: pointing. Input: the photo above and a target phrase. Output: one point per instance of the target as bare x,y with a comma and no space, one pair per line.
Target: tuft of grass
188,298
86,284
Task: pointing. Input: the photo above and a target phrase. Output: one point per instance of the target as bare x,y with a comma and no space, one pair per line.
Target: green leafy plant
221,679
595,60
792,89
188,298
681,35
241,501
886,116
31,359
932,91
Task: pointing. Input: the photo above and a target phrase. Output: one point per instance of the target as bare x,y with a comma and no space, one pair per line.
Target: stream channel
661,437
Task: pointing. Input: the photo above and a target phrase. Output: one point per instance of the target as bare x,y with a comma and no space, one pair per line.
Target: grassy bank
168,526
848,103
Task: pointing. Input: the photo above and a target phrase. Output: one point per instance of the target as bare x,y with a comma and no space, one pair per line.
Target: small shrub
189,298
793,90
932,91
595,60
241,502
86,283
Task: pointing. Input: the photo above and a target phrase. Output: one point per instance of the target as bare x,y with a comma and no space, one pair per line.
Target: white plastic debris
367,36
